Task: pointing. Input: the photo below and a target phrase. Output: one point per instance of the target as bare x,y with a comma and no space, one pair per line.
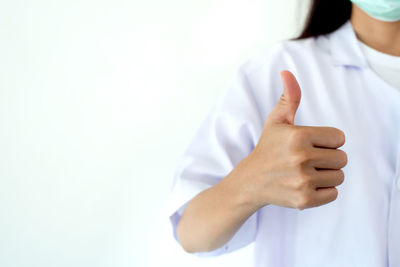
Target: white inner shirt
385,65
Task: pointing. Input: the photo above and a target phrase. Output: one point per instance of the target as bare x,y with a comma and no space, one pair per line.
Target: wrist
240,185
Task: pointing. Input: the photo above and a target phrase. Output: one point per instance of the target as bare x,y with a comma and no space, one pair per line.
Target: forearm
213,217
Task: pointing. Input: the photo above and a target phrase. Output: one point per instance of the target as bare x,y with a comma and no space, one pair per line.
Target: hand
293,166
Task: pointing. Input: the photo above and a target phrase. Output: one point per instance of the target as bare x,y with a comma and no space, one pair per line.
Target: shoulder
286,54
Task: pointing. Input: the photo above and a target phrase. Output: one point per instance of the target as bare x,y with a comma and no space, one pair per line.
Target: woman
268,166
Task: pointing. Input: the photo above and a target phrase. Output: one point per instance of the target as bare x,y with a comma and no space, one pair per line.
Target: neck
379,35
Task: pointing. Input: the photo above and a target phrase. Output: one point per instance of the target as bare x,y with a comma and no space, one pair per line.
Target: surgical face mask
386,10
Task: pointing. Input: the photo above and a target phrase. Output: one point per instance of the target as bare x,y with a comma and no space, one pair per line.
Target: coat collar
344,47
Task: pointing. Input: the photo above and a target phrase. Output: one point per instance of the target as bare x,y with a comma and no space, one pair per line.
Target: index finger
327,137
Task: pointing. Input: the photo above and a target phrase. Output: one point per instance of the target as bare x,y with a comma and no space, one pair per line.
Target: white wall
98,100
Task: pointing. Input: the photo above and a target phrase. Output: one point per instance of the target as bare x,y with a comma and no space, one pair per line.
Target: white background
98,99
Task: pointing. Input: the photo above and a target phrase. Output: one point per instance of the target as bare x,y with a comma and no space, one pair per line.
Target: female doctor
268,165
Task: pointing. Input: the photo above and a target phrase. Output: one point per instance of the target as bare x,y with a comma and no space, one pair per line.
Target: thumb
286,108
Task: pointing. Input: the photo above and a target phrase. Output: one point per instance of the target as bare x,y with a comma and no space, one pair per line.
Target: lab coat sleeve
227,135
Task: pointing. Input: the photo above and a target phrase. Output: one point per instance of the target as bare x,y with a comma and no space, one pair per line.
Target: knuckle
300,158
343,157
297,135
341,177
303,182
340,136
302,201
335,193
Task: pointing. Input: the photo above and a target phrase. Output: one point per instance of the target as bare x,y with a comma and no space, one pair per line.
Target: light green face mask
386,10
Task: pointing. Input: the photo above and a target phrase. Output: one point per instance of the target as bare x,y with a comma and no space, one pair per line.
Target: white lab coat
361,228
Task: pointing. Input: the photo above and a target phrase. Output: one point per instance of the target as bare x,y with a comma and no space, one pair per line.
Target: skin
291,166
380,35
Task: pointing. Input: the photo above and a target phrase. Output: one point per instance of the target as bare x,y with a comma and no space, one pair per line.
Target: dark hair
325,16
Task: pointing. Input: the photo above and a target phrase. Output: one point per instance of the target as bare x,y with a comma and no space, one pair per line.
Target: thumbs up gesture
293,166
